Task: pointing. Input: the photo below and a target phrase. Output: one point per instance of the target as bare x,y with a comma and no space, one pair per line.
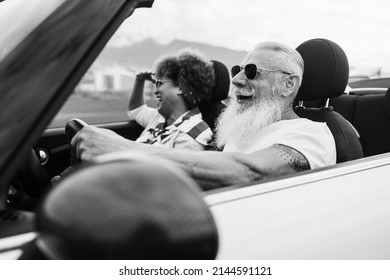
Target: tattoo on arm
294,159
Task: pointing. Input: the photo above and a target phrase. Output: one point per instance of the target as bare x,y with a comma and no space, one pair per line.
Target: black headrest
387,101
222,82
326,70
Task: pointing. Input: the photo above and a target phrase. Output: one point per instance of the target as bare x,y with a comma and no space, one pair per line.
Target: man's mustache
244,91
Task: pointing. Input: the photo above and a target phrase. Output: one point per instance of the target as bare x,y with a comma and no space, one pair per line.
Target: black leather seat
211,110
370,114
326,76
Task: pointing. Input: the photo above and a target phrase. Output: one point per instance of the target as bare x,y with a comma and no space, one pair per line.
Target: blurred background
226,30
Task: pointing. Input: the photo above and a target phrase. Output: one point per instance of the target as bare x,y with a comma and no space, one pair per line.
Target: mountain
142,55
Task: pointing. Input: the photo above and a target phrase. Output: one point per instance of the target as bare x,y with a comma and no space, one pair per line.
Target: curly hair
168,66
192,72
198,75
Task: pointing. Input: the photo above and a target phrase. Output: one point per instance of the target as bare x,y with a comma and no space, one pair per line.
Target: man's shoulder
299,128
308,127
298,123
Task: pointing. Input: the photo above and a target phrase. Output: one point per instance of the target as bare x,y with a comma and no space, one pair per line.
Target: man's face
247,90
256,103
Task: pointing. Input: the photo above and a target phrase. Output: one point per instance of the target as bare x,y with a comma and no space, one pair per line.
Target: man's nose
240,80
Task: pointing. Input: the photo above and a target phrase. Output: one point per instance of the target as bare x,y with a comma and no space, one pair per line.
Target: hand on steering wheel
72,127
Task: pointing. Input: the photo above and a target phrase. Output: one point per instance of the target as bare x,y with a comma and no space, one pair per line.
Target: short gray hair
289,59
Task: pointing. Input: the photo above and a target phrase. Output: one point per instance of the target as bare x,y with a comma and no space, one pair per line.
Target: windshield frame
40,73
30,14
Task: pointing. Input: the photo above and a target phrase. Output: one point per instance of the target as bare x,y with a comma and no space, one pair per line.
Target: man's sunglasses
251,70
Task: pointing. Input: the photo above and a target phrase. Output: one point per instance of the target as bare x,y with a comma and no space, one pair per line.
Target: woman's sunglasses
251,70
159,82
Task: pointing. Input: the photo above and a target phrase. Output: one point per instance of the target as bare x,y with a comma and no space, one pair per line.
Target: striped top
189,131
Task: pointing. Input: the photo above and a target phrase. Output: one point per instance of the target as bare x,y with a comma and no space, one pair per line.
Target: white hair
287,59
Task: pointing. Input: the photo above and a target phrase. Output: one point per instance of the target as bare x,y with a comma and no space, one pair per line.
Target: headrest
126,207
326,70
387,101
222,82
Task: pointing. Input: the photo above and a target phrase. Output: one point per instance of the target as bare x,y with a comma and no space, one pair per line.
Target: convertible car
130,206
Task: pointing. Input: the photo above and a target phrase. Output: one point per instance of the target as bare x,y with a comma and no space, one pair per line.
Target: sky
361,28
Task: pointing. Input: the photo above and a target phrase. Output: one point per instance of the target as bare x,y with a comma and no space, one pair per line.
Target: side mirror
126,207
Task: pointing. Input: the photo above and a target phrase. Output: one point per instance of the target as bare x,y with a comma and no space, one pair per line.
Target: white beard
239,125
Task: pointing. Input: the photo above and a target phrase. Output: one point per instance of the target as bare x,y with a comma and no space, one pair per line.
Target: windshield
29,14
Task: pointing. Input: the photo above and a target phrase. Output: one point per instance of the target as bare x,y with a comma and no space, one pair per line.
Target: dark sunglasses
251,70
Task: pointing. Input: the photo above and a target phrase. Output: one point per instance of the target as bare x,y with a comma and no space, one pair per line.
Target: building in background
113,78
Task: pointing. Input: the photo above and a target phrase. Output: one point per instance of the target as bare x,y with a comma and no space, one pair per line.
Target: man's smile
241,98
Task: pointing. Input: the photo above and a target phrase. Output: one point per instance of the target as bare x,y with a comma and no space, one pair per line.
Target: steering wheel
72,127
31,177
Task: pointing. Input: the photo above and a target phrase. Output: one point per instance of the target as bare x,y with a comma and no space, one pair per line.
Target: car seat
372,120
211,110
326,76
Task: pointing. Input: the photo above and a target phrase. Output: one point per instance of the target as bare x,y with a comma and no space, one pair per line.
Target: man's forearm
212,169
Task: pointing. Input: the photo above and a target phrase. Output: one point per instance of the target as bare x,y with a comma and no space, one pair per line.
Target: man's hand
92,141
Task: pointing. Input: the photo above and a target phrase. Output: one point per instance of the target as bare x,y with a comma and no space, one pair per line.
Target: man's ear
290,85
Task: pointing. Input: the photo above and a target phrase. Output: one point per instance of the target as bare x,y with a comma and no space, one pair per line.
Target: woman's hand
146,76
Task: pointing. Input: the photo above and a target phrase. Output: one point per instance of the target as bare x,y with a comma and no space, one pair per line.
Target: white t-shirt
312,139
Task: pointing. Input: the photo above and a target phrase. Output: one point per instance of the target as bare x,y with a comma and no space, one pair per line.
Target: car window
225,30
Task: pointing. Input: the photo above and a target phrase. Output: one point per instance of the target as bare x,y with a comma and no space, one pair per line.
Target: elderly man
261,135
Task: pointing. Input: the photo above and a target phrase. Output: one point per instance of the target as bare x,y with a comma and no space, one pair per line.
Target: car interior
326,76
369,112
211,110
325,98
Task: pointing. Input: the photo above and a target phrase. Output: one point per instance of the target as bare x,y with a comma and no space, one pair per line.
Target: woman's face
167,96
